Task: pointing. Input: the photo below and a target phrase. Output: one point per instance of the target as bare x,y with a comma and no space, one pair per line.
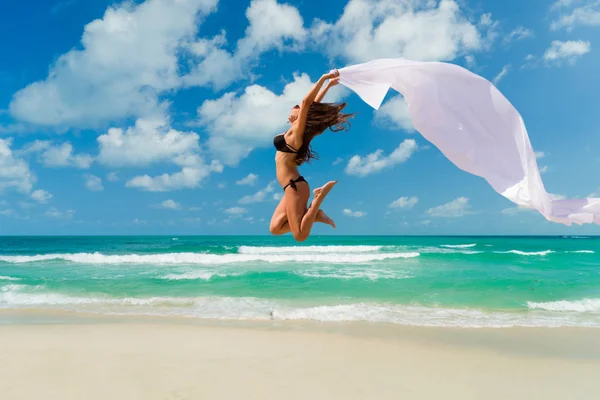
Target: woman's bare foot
321,193
323,218
323,190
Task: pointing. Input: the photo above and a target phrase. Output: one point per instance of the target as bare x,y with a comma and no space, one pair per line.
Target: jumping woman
309,119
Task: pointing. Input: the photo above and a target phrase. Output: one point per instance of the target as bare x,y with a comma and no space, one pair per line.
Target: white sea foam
307,249
585,305
525,253
459,246
195,275
209,259
582,251
249,308
372,274
8,278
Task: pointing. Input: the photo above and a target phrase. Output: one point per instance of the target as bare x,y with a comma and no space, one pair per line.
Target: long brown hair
320,117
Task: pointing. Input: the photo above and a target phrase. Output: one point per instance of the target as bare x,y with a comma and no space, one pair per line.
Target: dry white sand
162,359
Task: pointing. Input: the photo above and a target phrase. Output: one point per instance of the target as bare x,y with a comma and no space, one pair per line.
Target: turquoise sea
419,281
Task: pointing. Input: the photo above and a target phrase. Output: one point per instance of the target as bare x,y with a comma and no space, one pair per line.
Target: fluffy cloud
355,214
193,172
14,171
41,196
249,180
126,60
239,123
501,75
112,177
567,52
169,205
58,155
518,33
453,209
151,140
271,26
236,211
57,214
421,30
404,203
586,14
93,183
376,161
394,113
259,196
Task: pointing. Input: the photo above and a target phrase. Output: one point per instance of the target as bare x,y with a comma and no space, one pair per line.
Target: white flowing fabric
473,125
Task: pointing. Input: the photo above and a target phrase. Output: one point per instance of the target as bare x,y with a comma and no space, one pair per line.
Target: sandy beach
103,358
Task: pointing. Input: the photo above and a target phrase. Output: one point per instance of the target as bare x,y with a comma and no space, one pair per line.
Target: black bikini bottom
293,183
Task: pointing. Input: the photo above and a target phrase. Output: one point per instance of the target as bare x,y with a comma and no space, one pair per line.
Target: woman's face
293,114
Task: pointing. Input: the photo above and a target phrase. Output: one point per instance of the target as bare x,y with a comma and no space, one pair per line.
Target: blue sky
157,116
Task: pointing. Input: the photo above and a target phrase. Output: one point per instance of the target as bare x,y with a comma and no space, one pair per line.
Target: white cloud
7,213
518,33
271,26
151,140
375,162
93,183
337,161
249,180
470,60
568,52
539,154
501,75
543,169
394,113
355,214
126,60
55,213
14,171
169,205
515,210
189,177
41,196
258,197
454,209
112,177
236,211
404,203
277,196
413,29
585,15
57,155
239,123
221,185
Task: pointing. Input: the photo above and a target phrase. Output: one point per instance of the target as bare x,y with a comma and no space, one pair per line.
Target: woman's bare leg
279,221
301,222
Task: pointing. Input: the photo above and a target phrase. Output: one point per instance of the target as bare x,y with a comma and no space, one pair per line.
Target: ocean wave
207,259
372,274
195,275
307,249
582,251
250,308
9,278
526,253
459,246
585,305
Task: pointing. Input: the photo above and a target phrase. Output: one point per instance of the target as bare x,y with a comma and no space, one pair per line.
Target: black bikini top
281,145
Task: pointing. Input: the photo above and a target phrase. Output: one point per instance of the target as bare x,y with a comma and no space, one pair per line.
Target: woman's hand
331,75
333,82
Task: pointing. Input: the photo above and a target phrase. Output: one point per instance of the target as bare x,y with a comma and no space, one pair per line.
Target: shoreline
539,341
98,358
